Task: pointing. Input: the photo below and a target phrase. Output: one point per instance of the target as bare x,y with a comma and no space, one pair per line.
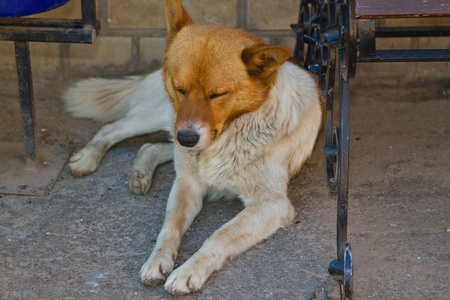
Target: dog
243,118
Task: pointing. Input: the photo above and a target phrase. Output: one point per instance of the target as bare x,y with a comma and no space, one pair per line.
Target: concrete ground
88,237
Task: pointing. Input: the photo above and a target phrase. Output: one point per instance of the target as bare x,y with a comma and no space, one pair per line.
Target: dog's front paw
85,161
186,279
156,269
140,181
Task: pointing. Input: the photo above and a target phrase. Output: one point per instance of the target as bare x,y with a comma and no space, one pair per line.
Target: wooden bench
336,35
370,9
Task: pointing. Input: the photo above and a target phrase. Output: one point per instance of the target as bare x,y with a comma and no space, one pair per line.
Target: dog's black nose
188,137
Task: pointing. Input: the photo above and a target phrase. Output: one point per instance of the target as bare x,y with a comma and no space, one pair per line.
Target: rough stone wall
132,35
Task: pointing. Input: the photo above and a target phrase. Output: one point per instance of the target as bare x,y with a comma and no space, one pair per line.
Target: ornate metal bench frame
333,36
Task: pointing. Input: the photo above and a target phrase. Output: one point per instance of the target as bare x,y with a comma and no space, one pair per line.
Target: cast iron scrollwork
326,34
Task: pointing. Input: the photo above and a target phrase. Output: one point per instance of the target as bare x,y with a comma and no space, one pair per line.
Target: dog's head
214,74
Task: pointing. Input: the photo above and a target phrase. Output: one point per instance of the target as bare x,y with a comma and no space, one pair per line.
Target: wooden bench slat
370,9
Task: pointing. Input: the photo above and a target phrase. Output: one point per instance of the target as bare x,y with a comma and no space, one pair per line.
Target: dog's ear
263,60
176,18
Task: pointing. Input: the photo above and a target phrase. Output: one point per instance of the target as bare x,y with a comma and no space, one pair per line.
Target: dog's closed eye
213,96
181,91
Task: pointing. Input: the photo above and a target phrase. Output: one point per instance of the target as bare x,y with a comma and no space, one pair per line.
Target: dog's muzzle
188,137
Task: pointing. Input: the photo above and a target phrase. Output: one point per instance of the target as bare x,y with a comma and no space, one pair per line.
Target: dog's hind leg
148,158
88,159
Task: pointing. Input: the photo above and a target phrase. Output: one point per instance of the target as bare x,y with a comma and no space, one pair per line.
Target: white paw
140,181
188,278
85,161
156,269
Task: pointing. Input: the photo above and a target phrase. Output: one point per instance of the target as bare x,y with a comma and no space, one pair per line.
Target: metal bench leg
88,11
342,204
26,100
342,266
324,27
344,263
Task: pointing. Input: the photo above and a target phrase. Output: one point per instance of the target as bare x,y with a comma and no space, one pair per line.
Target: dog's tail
99,99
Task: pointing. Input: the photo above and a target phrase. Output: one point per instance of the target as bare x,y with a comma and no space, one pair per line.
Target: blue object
19,8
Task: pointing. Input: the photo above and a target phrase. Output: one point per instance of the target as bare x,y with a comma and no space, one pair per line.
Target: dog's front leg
185,202
257,221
